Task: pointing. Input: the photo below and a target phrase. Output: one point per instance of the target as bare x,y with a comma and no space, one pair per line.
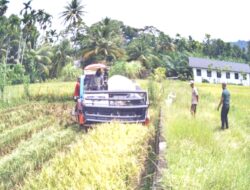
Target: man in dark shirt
225,101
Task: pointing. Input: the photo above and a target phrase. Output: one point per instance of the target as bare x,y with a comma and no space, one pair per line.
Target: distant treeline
31,50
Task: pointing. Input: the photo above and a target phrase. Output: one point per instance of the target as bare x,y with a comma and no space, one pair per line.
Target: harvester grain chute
117,99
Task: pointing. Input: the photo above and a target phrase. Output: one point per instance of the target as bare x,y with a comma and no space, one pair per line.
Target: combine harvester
119,99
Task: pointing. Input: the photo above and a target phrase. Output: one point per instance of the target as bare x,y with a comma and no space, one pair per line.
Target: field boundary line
160,150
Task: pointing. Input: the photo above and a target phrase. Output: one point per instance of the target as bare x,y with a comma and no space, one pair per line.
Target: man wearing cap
195,98
225,101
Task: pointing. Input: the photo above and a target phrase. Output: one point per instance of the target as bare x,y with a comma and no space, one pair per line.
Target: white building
214,71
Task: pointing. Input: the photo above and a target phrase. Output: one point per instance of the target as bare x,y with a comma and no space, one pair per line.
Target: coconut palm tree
104,41
51,36
177,65
62,56
73,16
73,12
13,28
142,49
26,8
3,6
43,18
37,62
164,44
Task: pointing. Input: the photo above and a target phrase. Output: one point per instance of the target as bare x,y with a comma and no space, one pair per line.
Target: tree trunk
24,46
19,48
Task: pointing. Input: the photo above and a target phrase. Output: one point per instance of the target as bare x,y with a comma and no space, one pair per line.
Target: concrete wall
214,79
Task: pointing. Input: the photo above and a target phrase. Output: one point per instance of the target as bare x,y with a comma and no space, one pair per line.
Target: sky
224,19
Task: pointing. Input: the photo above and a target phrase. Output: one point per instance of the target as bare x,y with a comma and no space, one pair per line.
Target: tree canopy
28,40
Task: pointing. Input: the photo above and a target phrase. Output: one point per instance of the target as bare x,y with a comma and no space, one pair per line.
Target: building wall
247,82
215,79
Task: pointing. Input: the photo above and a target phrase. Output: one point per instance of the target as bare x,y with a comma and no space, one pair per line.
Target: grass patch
199,154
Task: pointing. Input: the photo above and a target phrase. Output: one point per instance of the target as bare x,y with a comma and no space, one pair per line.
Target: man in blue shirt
225,102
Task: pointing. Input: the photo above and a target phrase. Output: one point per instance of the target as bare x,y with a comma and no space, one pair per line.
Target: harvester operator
98,79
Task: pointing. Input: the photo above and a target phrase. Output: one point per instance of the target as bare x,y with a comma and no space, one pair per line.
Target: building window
218,74
244,76
236,75
227,75
209,73
198,71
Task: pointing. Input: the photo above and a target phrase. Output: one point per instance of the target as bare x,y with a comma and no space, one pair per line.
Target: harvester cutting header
102,99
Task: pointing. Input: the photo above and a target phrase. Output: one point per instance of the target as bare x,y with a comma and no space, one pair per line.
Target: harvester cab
117,98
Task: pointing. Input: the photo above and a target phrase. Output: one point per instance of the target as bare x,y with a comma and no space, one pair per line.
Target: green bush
16,74
117,69
131,69
70,73
205,81
160,74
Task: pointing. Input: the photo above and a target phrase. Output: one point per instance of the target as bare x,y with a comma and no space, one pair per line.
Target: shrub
70,73
205,81
160,74
16,74
117,69
129,69
133,69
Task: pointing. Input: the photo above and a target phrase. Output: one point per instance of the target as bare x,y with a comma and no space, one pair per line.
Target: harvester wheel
84,127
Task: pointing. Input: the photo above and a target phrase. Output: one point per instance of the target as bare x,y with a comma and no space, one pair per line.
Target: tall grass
109,157
199,154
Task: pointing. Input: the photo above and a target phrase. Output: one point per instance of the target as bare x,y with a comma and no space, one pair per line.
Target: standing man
195,98
225,101
77,89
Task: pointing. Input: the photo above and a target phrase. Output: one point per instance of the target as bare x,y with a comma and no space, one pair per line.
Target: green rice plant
9,139
32,154
5,104
110,157
156,92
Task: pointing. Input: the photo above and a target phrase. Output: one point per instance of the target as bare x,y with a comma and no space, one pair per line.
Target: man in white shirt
195,98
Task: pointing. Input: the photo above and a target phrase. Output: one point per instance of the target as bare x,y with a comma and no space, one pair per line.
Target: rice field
42,147
30,135
50,92
199,154
111,157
